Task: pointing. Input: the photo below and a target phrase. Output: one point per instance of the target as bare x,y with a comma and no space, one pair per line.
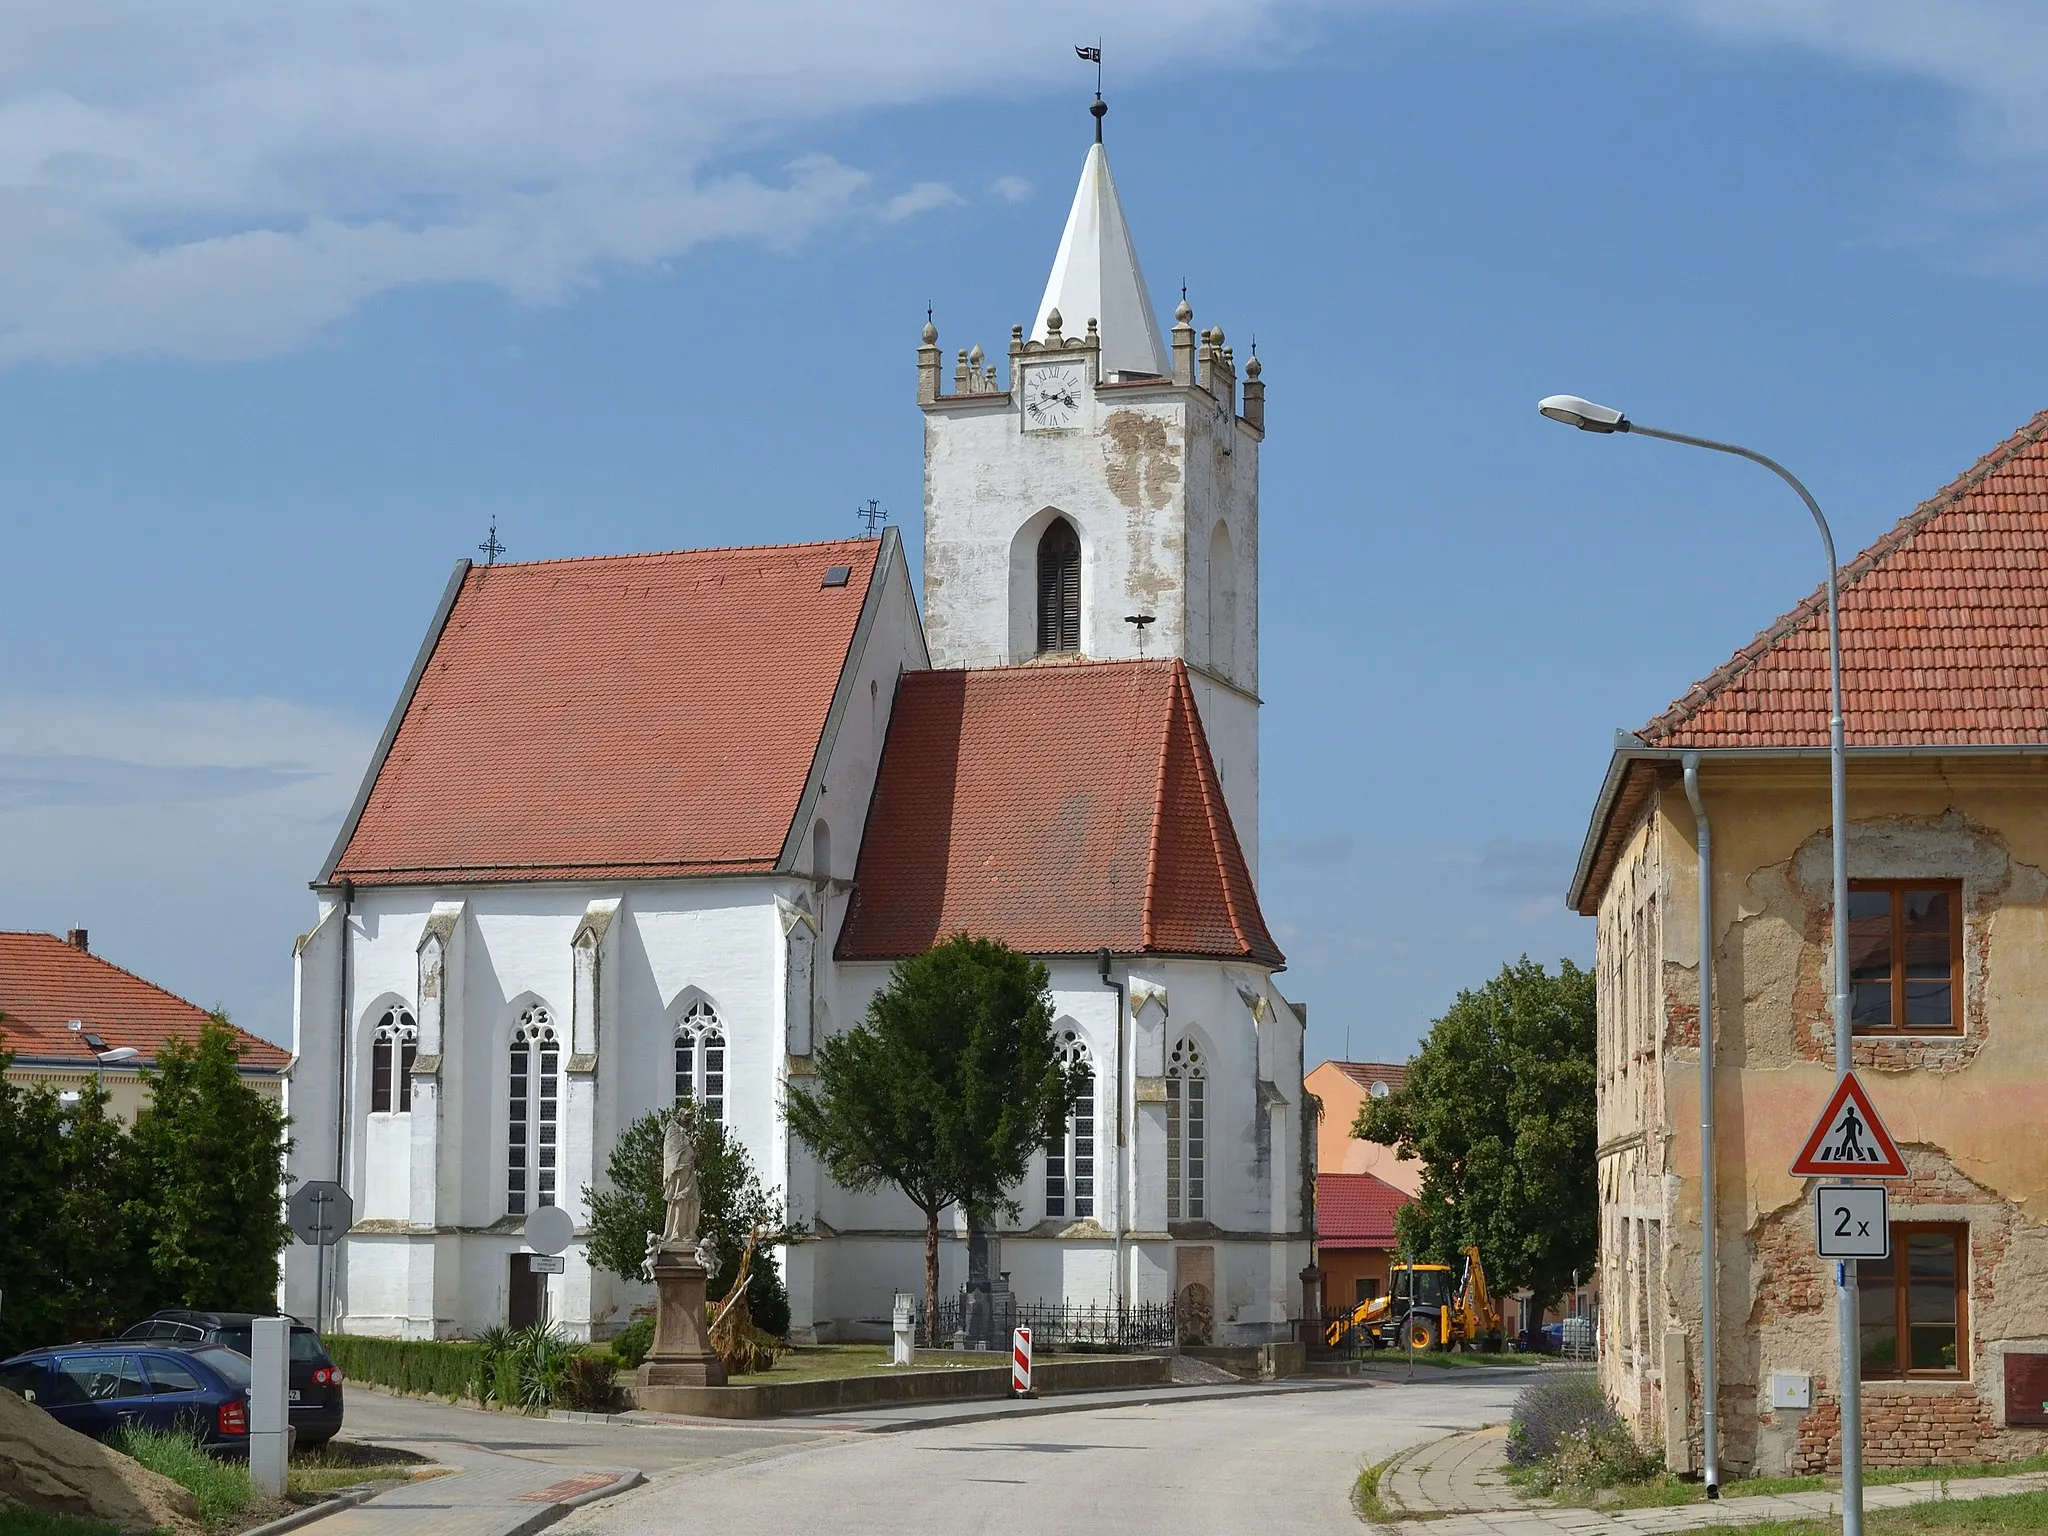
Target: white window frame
703,1059
1070,1173
533,1095
1187,1132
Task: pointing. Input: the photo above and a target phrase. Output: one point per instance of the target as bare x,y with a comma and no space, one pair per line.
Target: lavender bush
1554,1408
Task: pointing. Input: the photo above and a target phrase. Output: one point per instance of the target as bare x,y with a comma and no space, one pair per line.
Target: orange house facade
1945,650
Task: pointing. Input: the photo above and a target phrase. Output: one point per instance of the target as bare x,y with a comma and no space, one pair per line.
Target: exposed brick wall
1902,1427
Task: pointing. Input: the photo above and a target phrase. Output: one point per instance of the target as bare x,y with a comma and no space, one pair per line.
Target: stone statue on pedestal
682,1355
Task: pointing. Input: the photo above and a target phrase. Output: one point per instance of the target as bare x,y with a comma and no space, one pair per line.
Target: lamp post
1589,417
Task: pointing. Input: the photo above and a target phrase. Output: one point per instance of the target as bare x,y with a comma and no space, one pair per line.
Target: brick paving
1457,1487
488,1494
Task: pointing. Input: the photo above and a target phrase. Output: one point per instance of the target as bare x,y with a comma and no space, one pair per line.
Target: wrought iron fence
1058,1326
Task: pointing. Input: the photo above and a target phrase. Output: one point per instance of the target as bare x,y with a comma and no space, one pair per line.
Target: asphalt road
1258,1465
417,1425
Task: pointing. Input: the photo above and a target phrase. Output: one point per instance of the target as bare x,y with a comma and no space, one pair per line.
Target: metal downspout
1710,1439
1104,960
341,1039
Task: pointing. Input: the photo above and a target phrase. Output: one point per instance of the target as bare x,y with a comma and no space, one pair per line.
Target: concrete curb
348,1498
547,1514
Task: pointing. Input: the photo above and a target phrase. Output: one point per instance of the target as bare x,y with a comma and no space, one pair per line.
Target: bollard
269,1403
1020,1364
903,1350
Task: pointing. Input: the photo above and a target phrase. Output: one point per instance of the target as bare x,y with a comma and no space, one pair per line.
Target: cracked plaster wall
1967,1110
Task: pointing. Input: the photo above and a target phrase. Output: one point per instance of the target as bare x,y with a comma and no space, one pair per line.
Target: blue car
100,1388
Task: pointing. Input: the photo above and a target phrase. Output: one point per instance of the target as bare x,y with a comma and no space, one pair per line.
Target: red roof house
47,982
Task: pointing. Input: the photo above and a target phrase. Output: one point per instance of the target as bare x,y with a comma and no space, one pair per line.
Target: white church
650,826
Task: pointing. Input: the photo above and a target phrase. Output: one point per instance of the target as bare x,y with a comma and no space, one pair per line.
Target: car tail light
234,1417
327,1376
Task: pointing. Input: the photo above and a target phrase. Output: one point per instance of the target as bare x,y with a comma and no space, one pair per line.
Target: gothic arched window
1186,1080
392,1050
1059,588
531,1136
700,1060
1070,1161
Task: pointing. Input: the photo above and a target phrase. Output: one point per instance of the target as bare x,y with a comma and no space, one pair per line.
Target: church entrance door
526,1294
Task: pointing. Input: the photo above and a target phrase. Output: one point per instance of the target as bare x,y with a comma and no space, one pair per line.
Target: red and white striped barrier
1020,1363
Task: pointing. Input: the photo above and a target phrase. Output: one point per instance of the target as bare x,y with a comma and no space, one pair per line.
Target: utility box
1677,1404
2026,1389
270,1425
1791,1391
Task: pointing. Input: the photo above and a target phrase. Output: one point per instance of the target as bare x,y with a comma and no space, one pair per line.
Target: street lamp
1590,417
119,1055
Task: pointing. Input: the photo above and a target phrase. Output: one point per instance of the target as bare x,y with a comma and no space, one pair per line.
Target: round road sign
549,1229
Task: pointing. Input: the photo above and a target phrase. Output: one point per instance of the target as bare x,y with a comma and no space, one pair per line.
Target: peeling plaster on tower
1156,468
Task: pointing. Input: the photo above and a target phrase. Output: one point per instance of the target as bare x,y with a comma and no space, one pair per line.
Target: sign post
320,1211
1851,1221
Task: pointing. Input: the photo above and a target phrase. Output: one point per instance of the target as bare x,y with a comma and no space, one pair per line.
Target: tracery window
1070,1161
1059,588
1186,1085
535,1121
392,1050
700,1060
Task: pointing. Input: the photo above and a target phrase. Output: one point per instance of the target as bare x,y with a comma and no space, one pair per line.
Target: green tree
1499,1107
66,1173
946,1088
735,1205
209,1171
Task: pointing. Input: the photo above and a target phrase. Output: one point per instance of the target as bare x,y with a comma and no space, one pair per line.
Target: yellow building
1945,641
69,1018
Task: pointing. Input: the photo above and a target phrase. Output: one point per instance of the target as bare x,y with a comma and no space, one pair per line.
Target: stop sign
320,1212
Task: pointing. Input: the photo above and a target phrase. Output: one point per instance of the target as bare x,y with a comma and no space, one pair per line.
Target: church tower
1101,499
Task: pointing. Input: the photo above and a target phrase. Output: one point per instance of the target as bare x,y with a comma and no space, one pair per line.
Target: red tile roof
1356,1210
1366,1073
1944,631
45,982
1059,808
634,715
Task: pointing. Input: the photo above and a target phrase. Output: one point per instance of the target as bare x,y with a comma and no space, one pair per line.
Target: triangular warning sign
1849,1140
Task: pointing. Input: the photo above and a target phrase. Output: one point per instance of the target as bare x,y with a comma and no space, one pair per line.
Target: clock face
1052,395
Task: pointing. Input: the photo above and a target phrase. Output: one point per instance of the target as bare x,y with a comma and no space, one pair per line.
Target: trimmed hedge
437,1368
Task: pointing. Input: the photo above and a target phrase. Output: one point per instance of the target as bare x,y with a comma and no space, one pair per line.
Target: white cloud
1010,189
922,198
223,178
181,833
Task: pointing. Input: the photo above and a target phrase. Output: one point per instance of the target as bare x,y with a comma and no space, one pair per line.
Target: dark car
315,1379
112,1385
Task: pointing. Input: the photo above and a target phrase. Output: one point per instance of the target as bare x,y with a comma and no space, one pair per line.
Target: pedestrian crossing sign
1849,1141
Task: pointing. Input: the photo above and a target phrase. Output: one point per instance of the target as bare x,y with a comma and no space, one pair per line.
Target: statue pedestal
682,1355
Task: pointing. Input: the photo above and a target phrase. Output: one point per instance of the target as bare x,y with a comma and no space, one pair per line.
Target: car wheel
1421,1336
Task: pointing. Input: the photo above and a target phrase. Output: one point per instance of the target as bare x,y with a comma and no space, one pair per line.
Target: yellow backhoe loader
1424,1310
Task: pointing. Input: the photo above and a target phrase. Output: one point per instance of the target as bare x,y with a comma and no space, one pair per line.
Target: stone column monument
682,1355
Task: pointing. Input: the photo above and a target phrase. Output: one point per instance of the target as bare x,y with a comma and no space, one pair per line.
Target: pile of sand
45,1466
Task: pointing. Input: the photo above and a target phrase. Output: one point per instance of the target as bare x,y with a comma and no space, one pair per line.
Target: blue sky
293,306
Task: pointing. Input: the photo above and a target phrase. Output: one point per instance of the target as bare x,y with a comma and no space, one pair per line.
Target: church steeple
1096,276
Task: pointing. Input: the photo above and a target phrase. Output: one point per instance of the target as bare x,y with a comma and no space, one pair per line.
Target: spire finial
1100,108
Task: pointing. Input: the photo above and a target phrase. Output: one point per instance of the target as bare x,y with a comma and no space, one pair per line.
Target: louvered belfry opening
1059,588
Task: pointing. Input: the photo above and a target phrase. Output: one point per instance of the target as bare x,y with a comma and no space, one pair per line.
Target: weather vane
1094,56
872,516
1141,620
491,547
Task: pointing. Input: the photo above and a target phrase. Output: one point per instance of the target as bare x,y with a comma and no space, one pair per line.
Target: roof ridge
1146,929
670,554
1688,704
1211,792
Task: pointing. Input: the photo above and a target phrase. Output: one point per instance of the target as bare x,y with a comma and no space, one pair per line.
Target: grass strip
2001,1513
1667,1490
222,1488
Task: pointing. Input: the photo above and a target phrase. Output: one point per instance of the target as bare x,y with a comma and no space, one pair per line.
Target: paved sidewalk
487,1495
1457,1487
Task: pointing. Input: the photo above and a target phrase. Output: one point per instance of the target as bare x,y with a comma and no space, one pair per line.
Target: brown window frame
1954,890
1902,1338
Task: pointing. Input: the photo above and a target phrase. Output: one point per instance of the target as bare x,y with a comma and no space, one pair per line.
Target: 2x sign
1853,1221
